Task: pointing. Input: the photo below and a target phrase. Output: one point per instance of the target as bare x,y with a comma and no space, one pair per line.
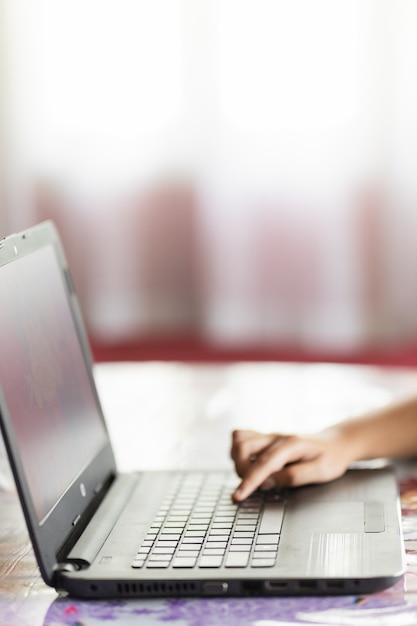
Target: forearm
388,432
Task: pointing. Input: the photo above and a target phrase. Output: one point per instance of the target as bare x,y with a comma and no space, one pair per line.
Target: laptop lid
51,417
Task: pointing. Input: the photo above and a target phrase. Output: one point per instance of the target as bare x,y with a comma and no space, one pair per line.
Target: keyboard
198,526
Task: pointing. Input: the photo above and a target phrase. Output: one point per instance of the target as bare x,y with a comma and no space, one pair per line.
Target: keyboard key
216,544
181,510
226,525
169,536
245,526
195,533
214,551
138,563
184,562
263,562
192,540
190,547
157,564
164,543
202,505
159,557
166,550
240,541
267,539
240,548
272,517
216,538
237,559
187,554
150,536
267,547
210,561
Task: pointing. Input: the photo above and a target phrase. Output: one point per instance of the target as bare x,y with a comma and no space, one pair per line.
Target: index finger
247,445
282,451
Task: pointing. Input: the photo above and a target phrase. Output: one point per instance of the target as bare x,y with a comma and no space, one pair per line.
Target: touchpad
332,517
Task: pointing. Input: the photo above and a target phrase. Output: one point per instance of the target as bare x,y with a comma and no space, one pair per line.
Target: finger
248,442
246,450
258,472
242,434
271,463
248,438
316,470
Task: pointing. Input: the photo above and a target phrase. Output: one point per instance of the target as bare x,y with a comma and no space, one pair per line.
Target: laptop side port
307,585
215,588
275,586
335,584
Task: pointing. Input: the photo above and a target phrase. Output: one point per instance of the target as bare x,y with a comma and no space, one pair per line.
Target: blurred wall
237,169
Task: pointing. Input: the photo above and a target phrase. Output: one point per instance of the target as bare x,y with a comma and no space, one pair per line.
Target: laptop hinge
83,553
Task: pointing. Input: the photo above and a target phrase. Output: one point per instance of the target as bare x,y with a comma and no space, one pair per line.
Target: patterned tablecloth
25,600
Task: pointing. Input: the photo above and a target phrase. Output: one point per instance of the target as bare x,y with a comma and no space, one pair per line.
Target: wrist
350,441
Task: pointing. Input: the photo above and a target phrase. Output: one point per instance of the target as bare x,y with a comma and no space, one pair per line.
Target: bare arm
291,460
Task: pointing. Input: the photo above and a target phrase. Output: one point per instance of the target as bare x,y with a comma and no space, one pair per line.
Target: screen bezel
68,515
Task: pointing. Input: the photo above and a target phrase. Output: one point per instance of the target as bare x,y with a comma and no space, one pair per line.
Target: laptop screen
45,381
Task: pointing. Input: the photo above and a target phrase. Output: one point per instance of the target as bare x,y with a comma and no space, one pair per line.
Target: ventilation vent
156,589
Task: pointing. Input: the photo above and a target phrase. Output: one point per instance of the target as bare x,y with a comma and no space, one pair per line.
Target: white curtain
246,168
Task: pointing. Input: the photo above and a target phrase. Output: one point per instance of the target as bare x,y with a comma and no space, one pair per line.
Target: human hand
274,460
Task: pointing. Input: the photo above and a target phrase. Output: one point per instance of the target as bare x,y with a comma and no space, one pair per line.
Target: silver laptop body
98,534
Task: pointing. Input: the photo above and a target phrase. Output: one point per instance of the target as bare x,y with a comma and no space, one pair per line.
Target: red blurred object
192,349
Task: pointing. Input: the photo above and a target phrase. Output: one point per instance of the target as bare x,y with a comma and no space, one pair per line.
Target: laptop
98,533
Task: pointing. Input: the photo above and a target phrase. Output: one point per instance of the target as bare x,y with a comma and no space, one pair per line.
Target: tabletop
171,415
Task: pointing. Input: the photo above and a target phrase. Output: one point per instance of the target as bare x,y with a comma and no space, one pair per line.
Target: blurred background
231,178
